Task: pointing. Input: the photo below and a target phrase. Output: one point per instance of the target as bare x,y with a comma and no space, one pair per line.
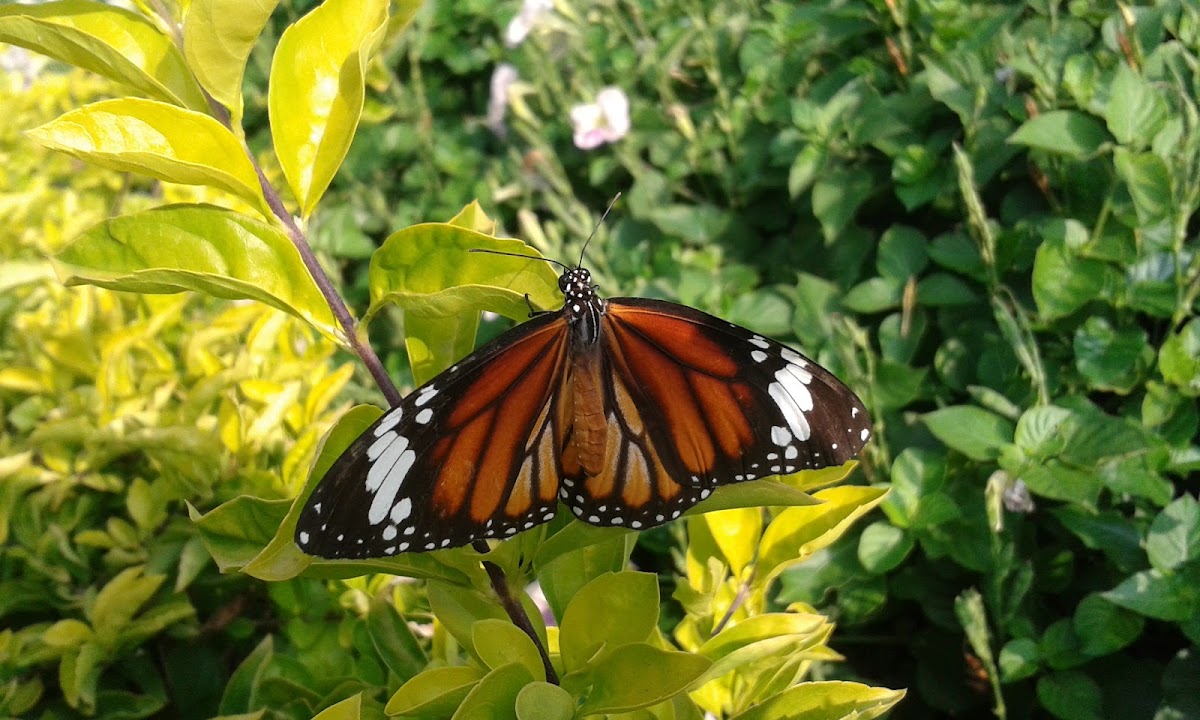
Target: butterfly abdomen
590,425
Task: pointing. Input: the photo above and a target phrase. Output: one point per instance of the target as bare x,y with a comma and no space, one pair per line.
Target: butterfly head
581,303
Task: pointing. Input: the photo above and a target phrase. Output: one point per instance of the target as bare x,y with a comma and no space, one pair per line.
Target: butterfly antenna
527,257
598,224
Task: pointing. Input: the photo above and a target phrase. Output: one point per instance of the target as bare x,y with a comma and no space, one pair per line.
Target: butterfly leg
534,312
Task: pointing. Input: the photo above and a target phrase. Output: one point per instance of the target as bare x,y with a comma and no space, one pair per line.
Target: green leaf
1174,537
428,269
828,700
1018,659
157,139
1135,111
836,197
1063,282
639,675
436,692
499,643
110,41
243,683
945,290
1070,695
770,636
236,532
1179,358
1062,132
315,96
394,640
1149,182
973,431
882,547
916,475
1104,628
201,248
120,599
798,532
495,696
613,610
218,36
1164,596
770,492
902,253
874,295
460,608
429,272
543,701
348,709
1112,359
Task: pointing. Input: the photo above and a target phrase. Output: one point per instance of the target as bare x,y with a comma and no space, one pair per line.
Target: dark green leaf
1062,132
971,430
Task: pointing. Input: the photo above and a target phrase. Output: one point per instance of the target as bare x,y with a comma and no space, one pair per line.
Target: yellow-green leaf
110,41
833,700
499,642
201,248
437,692
157,139
798,532
429,272
217,38
316,93
348,709
120,599
613,610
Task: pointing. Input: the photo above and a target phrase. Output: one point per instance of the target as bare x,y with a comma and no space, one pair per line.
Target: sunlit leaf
218,36
316,91
201,248
110,41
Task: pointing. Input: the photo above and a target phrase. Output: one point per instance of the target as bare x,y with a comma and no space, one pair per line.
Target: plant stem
515,611
358,345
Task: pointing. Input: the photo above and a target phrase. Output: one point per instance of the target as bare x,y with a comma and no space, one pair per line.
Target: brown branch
516,612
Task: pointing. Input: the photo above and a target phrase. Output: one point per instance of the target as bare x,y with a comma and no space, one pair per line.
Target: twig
514,609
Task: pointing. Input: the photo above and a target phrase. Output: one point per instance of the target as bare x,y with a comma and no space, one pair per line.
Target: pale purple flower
532,11
604,121
502,78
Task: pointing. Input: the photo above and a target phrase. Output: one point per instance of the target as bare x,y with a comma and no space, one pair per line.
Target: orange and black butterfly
629,411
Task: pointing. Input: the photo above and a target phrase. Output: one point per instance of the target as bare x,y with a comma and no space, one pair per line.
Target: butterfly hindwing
471,454
699,402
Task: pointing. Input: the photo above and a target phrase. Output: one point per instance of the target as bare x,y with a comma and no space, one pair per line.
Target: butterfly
628,411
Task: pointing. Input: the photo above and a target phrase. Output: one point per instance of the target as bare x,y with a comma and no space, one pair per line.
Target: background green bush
981,215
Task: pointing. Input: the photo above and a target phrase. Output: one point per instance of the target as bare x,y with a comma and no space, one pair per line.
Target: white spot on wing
790,453
424,416
865,434
401,511
383,465
791,411
426,395
391,485
760,341
303,538
377,447
780,435
391,420
758,356
793,357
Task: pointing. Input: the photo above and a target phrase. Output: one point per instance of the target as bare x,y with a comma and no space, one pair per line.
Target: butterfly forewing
699,402
472,454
